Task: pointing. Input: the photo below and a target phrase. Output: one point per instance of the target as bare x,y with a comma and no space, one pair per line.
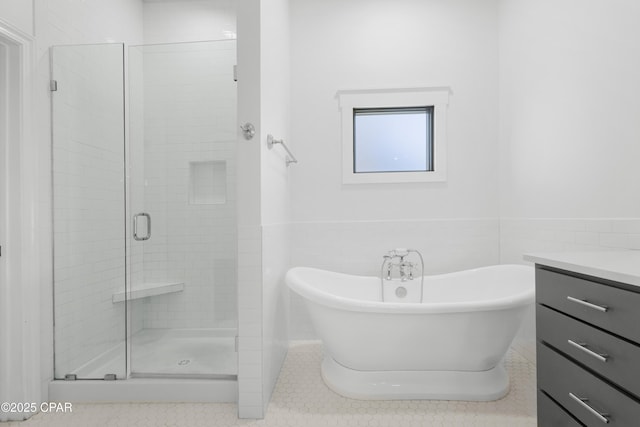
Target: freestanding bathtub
449,347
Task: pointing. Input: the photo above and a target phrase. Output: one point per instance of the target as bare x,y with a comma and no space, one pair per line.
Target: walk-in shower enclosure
144,211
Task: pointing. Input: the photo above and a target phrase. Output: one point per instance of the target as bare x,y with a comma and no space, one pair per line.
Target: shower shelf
149,290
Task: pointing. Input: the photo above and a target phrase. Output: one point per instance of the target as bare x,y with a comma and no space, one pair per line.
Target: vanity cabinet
588,350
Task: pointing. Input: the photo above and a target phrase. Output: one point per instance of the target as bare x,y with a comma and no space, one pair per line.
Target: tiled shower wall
189,139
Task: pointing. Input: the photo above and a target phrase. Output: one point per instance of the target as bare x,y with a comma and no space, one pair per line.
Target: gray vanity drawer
622,357
552,415
580,298
560,378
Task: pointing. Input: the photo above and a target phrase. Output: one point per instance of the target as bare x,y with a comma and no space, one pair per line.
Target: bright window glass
393,139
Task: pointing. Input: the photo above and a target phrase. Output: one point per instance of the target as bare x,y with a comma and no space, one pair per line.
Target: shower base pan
167,365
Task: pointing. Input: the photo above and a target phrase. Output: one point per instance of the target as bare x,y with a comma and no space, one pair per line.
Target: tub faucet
395,260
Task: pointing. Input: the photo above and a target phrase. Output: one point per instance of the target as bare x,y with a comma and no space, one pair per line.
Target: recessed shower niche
208,182
145,216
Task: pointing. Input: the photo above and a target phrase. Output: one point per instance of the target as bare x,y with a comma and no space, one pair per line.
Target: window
392,139
391,136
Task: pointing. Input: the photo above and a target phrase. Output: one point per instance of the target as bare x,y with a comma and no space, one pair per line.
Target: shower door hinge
70,377
109,377
53,85
235,73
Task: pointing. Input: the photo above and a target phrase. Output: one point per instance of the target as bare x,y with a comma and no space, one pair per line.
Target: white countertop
620,266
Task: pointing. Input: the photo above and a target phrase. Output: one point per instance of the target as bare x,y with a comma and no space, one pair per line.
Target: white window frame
438,97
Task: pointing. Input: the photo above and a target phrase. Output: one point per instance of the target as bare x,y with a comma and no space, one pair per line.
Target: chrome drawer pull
602,308
583,346
602,416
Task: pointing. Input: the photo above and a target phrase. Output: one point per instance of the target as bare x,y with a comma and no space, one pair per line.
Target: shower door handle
135,226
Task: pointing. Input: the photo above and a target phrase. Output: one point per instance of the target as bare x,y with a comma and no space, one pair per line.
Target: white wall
568,129
358,45
174,21
87,21
389,44
18,13
263,201
569,109
250,295
275,194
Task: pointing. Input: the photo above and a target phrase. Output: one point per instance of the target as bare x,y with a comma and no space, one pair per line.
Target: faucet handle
401,252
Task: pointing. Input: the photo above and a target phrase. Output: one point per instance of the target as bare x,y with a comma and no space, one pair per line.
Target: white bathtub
451,346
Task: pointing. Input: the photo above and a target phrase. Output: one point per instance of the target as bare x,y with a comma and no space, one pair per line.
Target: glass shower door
87,95
183,212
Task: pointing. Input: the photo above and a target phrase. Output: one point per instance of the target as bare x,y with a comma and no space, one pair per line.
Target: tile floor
302,400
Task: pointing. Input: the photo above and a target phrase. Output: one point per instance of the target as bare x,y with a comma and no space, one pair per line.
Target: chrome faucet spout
402,267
